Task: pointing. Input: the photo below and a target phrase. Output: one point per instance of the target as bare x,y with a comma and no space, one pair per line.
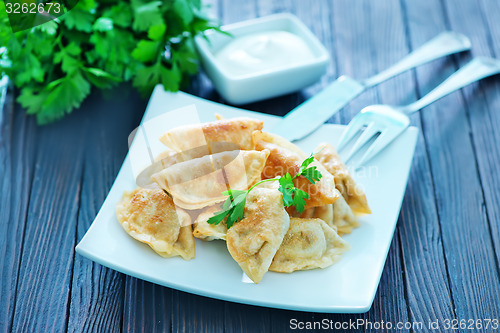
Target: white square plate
349,286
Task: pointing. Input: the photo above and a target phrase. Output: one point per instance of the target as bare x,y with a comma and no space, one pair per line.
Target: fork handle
444,44
477,69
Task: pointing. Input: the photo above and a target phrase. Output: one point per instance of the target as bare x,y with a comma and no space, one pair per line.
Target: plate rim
85,252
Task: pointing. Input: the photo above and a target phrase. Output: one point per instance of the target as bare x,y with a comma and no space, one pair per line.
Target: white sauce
262,52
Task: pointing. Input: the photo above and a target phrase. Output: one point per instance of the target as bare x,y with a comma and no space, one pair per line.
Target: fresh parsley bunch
234,205
101,43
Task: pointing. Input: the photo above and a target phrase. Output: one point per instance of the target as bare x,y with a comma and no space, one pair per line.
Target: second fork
390,121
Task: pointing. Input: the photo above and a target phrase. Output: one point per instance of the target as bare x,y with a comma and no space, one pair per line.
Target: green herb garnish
234,205
100,44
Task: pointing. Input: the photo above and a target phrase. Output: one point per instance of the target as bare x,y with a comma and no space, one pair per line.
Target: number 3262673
32,8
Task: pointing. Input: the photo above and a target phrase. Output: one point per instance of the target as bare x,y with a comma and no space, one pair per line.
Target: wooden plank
389,304
388,298
17,134
200,84
466,238
246,318
317,15
97,292
428,290
354,54
44,279
484,102
369,37
427,283
192,313
148,307
484,128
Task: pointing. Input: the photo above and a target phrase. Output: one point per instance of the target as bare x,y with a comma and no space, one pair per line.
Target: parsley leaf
183,10
103,24
65,94
32,101
146,14
234,206
217,218
307,161
156,32
67,57
32,69
146,51
100,78
100,43
286,188
120,14
79,19
299,201
312,174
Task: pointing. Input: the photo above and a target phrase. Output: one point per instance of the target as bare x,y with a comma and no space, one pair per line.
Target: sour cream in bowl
263,52
263,58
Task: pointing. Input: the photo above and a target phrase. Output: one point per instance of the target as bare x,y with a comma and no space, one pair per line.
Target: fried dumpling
308,244
307,213
206,231
236,130
151,217
343,217
254,240
337,215
199,182
286,157
170,157
278,141
352,192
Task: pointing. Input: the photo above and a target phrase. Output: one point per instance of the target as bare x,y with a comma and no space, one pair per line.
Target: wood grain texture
483,102
466,239
444,259
484,126
192,313
44,279
147,307
97,292
355,43
17,136
419,229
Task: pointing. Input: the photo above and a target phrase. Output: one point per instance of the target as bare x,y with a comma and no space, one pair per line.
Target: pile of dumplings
183,189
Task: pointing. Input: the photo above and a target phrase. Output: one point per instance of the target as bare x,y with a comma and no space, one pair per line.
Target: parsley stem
262,181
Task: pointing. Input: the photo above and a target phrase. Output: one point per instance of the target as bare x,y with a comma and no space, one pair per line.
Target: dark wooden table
444,259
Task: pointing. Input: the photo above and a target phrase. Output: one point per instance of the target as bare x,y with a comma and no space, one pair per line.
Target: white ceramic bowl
262,85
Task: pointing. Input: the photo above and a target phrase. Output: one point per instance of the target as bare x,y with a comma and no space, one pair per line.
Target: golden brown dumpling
199,182
236,130
170,157
151,217
279,141
343,217
286,157
206,231
308,244
352,193
306,214
338,216
254,240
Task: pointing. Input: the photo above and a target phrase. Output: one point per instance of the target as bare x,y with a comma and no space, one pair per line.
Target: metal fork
390,121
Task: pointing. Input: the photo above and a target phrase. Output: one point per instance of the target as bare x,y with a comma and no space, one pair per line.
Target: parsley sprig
100,44
234,205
